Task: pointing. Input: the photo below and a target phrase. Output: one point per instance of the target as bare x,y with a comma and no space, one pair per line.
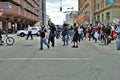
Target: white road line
13,59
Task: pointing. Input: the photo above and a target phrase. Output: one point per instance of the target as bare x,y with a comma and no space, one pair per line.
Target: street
91,61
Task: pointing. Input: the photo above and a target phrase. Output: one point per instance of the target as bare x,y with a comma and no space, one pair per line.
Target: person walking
75,37
0,36
65,36
51,33
29,32
43,37
117,31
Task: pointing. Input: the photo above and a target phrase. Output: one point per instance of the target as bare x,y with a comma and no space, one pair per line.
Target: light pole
90,11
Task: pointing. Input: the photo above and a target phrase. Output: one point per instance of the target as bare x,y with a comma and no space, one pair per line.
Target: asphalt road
91,61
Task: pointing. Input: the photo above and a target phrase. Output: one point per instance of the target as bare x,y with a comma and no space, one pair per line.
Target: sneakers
74,46
118,48
63,44
41,49
48,46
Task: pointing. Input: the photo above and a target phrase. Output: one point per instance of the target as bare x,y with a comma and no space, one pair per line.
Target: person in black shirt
43,37
52,33
75,36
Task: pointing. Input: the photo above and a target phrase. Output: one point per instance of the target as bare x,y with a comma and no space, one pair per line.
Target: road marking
12,59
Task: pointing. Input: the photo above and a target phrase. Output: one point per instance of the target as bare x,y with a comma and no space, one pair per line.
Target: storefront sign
5,6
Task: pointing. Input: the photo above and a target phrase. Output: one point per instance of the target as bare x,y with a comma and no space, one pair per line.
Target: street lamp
90,11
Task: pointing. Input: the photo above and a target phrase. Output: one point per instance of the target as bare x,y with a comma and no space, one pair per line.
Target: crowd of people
77,33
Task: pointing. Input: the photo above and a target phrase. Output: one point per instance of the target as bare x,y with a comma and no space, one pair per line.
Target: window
108,15
34,28
98,18
102,17
98,6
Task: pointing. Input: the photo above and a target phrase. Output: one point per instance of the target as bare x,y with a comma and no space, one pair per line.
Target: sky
53,9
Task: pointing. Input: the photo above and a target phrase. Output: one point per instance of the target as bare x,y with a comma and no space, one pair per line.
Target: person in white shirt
29,32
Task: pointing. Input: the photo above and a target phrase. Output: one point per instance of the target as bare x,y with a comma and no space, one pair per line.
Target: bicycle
8,40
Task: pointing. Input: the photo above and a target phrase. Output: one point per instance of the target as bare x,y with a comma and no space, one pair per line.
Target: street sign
87,13
5,6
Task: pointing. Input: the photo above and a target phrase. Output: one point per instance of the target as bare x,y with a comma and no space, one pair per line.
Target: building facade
107,10
71,18
17,14
85,9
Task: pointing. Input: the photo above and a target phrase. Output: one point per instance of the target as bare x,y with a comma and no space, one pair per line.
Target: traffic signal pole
90,11
60,5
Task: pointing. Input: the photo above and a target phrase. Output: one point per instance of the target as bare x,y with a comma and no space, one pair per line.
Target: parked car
24,32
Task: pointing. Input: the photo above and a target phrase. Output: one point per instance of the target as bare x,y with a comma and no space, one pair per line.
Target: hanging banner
116,20
106,22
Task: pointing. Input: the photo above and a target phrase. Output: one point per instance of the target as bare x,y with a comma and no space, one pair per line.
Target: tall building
70,18
17,14
85,10
107,10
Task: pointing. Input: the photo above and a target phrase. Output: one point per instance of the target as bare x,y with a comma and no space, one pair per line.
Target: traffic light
60,9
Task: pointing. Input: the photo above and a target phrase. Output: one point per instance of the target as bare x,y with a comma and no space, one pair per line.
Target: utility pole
90,11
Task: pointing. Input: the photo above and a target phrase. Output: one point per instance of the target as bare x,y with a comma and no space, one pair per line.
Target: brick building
17,14
84,11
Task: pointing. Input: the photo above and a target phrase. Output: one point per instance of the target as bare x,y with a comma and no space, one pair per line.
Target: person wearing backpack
43,37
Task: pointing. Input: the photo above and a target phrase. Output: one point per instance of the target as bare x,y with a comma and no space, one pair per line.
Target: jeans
118,41
43,40
52,40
